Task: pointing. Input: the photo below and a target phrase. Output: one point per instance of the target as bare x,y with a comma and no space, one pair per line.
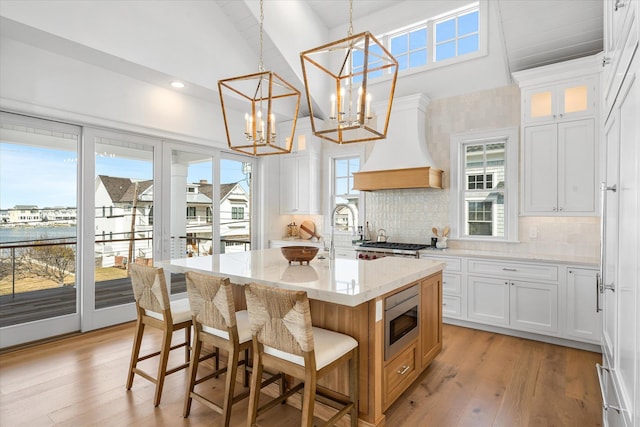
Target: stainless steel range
374,250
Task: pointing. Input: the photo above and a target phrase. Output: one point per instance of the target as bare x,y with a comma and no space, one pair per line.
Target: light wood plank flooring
479,379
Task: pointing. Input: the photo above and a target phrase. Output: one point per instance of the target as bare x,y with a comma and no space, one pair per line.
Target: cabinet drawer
451,284
451,306
399,374
453,264
513,270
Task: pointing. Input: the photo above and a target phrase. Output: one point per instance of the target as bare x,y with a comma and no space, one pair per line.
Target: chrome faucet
332,249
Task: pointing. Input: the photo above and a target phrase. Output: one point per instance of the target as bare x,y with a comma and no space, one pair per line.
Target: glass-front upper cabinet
566,101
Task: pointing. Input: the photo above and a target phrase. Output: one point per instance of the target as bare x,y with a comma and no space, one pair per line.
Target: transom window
457,35
445,37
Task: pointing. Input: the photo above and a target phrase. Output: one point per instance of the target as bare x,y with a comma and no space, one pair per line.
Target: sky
44,177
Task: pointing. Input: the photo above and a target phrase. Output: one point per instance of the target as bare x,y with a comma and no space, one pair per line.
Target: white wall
46,84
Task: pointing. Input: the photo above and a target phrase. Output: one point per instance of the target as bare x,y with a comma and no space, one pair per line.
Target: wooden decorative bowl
299,254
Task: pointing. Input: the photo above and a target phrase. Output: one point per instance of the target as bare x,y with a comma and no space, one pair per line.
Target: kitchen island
348,296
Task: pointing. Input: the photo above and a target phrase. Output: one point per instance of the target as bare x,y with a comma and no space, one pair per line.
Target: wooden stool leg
187,343
135,352
354,386
193,373
254,393
230,382
162,365
245,381
308,399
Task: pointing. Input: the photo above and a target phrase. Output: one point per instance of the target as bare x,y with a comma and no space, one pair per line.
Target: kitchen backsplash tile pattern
409,215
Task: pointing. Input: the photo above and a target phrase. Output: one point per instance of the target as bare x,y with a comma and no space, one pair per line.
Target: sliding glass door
121,219
38,233
79,205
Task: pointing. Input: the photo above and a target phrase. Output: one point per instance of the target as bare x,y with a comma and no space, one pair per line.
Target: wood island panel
359,322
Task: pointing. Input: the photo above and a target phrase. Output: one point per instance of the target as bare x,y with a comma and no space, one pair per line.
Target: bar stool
285,340
154,309
217,323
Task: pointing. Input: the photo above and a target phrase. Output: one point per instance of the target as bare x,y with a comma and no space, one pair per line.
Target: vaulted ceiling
201,42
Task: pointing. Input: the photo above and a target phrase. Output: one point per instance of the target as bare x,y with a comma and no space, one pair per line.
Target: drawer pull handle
605,405
509,269
404,369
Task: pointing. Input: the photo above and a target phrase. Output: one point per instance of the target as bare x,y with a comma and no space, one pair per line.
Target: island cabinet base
383,381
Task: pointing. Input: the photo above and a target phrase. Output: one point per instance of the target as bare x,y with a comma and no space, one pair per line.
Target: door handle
598,290
605,405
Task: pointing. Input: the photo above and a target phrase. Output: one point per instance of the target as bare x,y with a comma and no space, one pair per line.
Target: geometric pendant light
346,67
263,96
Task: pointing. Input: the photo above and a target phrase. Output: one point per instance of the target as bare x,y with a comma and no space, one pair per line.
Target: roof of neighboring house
121,189
225,189
25,207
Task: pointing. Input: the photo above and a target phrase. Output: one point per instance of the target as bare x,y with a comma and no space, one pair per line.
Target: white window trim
510,137
483,40
330,153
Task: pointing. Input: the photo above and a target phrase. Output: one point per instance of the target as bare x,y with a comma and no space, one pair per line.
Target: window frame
483,27
510,137
330,154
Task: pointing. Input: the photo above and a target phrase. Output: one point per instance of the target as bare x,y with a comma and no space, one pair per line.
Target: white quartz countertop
513,256
343,281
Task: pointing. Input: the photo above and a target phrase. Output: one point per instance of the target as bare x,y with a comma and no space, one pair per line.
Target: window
448,36
237,213
410,48
191,212
457,35
346,216
484,185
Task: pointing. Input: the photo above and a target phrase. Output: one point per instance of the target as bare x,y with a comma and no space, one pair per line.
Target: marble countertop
514,256
343,281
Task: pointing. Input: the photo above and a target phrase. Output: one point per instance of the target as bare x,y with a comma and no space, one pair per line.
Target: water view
24,234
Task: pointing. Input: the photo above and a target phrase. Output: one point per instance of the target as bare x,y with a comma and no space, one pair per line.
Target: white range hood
402,160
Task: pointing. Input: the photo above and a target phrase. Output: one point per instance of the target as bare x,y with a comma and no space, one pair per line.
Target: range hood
402,160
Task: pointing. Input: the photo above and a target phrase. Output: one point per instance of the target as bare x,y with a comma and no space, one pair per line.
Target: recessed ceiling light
177,84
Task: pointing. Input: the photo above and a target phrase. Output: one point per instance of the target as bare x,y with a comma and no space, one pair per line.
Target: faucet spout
332,250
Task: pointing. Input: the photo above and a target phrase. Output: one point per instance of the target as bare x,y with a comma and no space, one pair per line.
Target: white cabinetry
621,33
567,100
559,168
560,105
509,297
452,290
620,288
583,320
300,174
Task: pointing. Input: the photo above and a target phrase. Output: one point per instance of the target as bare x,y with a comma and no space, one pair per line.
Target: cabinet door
557,102
488,300
583,321
577,167
534,306
539,105
288,184
540,169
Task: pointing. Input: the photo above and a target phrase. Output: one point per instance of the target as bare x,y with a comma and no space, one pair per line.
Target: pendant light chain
350,18
261,67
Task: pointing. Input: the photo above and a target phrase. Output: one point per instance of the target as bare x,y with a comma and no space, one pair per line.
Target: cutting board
307,230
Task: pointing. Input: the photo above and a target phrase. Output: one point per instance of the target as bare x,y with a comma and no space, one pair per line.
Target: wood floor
479,379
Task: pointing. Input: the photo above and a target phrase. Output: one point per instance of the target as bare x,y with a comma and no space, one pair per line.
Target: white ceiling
202,42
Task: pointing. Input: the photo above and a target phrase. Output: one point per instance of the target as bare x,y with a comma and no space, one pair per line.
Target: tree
52,261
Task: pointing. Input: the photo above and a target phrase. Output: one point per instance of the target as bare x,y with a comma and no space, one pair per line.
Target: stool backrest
211,300
280,318
149,288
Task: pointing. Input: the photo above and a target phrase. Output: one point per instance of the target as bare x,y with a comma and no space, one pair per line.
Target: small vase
441,243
